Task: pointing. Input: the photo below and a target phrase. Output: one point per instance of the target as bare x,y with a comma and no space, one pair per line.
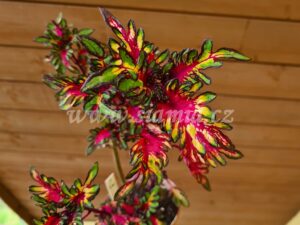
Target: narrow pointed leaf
92,46
230,53
85,32
92,174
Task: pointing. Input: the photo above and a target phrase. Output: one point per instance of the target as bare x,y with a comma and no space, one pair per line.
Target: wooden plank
257,110
75,145
53,123
42,122
14,203
271,9
43,143
28,96
15,165
52,163
35,96
256,80
264,41
265,136
23,64
26,64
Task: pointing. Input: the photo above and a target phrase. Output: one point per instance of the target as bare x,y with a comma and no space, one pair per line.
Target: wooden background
261,189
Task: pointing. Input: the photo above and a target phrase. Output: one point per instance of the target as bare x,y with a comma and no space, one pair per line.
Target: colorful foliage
148,157
60,203
144,206
139,94
201,141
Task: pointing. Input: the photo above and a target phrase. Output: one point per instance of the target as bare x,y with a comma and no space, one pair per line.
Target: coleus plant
71,205
141,95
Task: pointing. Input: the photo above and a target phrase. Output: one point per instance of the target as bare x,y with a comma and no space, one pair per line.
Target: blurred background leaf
8,216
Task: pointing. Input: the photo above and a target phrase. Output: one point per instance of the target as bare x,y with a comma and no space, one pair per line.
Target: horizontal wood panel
35,96
69,146
57,123
43,143
257,110
276,9
26,64
235,173
23,64
42,122
28,96
265,136
264,41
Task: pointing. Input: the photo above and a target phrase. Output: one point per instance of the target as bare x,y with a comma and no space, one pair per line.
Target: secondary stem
118,163
76,62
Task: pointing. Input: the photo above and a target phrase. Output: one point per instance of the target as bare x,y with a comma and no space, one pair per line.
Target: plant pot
168,211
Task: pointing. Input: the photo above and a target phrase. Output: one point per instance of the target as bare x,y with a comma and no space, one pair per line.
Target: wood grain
23,64
268,9
260,189
246,35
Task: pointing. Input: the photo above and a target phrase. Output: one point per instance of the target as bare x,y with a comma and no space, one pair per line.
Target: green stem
118,163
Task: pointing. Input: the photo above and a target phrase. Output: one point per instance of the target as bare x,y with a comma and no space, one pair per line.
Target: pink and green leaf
148,157
47,187
82,194
201,140
124,190
49,220
131,39
97,106
98,137
69,92
189,64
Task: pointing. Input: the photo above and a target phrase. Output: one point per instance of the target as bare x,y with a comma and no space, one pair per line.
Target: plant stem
94,210
76,62
118,163
86,215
